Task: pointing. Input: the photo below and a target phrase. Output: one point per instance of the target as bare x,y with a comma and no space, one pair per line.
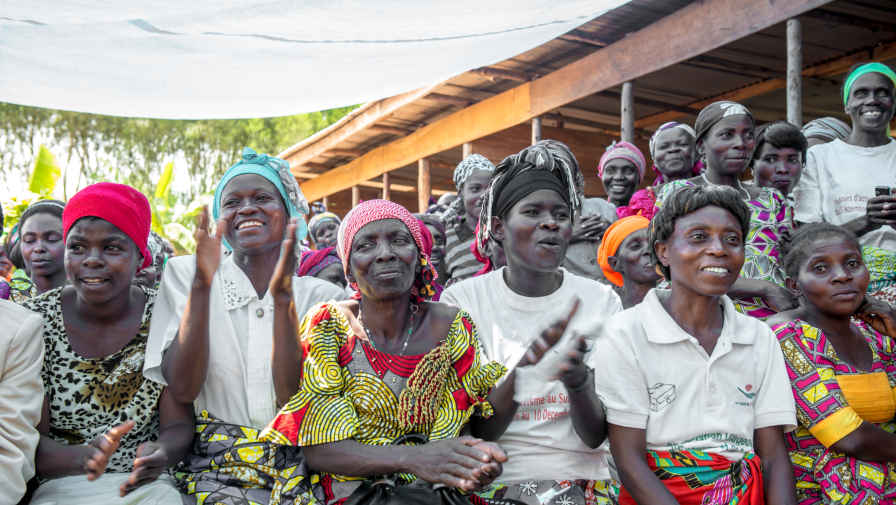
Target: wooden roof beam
838,66
351,153
394,130
606,128
453,100
511,75
850,20
641,53
652,103
584,37
374,184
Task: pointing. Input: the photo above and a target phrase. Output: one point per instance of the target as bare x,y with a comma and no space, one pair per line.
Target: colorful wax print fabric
21,287
555,492
824,476
770,216
352,391
881,264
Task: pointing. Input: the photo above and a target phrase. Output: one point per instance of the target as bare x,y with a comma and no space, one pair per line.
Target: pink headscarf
376,210
626,151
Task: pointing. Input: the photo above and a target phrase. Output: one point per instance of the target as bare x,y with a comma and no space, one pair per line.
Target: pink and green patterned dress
824,476
770,216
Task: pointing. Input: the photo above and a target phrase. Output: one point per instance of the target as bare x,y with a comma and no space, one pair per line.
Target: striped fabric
458,256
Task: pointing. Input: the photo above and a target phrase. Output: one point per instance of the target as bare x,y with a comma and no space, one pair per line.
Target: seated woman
322,229
323,264
390,365
840,181
779,157
621,169
626,260
842,366
439,238
726,141
41,251
149,276
212,339
552,430
696,393
106,432
470,177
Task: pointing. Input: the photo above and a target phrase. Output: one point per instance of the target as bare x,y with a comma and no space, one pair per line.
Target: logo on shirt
746,393
661,395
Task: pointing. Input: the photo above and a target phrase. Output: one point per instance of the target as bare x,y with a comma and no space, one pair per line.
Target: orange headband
613,237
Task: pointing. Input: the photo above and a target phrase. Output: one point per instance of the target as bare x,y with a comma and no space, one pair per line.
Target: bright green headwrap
868,68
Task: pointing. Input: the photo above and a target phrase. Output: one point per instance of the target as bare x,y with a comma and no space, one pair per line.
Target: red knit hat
121,205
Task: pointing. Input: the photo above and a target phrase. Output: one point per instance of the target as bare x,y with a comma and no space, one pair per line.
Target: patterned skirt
882,266
228,465
550,492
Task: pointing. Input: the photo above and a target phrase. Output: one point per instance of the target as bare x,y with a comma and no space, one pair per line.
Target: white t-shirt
239,388
541,442
838,181
651,375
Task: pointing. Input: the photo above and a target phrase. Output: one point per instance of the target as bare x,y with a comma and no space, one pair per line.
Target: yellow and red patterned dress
352,391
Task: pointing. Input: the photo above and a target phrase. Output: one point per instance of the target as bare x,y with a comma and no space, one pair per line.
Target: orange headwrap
613,238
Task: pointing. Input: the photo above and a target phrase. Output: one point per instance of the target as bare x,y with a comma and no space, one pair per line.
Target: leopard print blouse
90,396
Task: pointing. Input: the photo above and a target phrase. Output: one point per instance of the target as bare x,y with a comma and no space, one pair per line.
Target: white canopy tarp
185,59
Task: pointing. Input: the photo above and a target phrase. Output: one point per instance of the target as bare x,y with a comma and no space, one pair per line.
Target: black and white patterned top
90,396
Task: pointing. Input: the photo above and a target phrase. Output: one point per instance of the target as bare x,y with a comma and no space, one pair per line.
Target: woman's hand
574,373
281,281
778,298
208,248
879,315
456,462
98,452
548,338
494,469
148,467
589,228
880,210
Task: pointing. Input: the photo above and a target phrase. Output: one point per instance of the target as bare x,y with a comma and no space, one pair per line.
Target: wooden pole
387,190
794,73
628,112
424,184
536,130
468,149
326,202
356,196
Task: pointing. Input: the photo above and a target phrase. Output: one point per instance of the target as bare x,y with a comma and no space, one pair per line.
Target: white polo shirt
653,376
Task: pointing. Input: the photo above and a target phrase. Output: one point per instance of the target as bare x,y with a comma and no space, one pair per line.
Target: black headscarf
713,113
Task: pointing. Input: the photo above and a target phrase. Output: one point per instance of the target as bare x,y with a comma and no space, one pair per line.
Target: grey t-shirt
581,257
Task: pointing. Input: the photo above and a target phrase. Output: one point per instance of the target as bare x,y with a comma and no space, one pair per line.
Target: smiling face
620,180
832,278
254,214
384,259
871,102
674,153
471,192
632,259
100,260
535,232
705,252
777,168
325,235
42,247
728,146
333,274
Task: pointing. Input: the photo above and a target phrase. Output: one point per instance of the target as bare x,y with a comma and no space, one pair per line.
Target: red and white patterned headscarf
376,210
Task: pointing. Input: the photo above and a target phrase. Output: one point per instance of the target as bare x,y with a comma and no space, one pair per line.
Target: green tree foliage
135,151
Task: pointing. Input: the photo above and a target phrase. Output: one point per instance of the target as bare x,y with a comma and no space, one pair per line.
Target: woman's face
42,247
254,213
384,259
333,274
620,180
471,192
149,276
100,260
5,263
536,232
674,153
438,249
705,252
632,259
870,102
728,146
325,235
832,277
777,168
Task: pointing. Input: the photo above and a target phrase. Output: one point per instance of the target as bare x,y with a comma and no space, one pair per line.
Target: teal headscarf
866,69
276,171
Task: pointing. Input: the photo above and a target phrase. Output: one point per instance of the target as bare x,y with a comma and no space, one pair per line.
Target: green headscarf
868,68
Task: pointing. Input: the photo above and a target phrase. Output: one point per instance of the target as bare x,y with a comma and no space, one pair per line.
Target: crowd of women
700,341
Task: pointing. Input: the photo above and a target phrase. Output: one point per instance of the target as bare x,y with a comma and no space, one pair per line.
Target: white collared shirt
239,388
654,376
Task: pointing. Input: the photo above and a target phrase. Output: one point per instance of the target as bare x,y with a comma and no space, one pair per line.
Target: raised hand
208,247
549,337
573,372
281,281
98,452
879,315
462,462
148,467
